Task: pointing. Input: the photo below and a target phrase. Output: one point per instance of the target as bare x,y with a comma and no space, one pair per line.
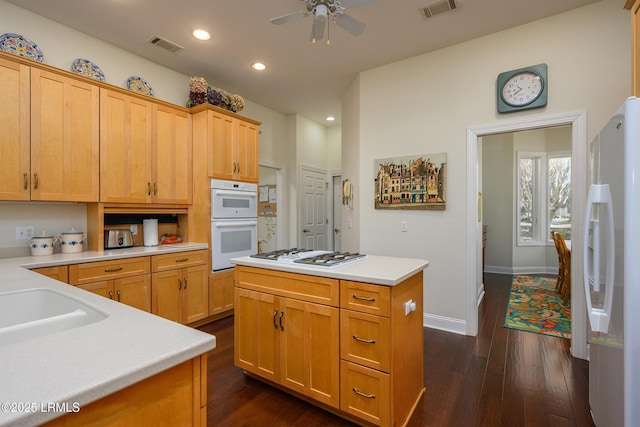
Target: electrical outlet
134,229
25,233
404,226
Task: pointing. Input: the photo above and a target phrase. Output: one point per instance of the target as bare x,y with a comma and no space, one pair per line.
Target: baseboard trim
442,323
497,269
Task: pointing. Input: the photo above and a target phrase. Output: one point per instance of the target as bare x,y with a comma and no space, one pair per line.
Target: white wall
426,103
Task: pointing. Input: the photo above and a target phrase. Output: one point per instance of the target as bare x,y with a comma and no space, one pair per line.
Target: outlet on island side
404,227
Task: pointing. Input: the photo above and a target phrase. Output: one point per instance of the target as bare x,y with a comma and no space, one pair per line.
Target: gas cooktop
311,257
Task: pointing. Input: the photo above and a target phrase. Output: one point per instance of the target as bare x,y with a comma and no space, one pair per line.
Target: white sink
38,312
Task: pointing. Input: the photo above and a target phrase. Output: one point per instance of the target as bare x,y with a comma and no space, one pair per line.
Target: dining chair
560,281
565,254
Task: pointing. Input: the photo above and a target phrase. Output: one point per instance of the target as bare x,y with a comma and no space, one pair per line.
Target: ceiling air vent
438,8
166,44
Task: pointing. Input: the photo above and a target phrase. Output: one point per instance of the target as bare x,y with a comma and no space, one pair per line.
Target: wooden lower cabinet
60,272
134,291
221,291
124,280
175,397
179,286
356,351
291,342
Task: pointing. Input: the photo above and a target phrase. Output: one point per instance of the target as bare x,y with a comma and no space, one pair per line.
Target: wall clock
522,89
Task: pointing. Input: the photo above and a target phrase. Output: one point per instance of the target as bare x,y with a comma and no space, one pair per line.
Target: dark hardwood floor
502,377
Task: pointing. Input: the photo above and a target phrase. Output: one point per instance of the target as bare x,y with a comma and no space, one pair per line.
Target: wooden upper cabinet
65,144
50,136
232,145
173,159
15,134
126,129
634,7
145,151
246,152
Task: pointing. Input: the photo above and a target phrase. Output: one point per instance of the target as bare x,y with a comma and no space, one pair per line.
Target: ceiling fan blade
349,24
287,18
348,4
317,31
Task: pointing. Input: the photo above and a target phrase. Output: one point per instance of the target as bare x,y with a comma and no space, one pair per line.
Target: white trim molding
442,323
578,122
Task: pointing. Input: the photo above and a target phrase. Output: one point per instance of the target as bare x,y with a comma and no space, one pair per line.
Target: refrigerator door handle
599,317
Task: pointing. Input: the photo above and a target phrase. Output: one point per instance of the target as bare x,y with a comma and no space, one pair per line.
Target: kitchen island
121,363
348,339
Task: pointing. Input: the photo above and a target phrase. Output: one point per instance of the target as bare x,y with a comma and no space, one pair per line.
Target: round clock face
522,89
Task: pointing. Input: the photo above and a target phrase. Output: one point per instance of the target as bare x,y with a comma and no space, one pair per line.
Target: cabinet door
221,291
195,293
65,145
221,131
134,291
246,152
60,273
104,288
172,182
166,294
15,136
256,333
309,350
126,124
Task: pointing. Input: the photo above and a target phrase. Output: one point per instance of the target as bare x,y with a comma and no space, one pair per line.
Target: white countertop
380,270
82,365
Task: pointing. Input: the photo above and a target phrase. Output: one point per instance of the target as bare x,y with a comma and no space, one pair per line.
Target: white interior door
337,213
313,232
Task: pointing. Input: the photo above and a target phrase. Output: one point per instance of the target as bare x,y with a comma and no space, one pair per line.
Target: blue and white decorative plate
87,69
140,85
21,46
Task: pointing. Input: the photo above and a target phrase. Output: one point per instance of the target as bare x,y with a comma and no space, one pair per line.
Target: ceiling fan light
330,118
258,66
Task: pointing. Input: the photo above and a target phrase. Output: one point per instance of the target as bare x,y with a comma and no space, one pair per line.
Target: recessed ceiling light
330,118
201,34
258,66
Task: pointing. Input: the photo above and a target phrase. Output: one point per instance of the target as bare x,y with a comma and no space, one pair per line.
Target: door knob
306,230
336,230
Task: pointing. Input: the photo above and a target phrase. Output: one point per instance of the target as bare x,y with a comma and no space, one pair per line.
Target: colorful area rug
536,306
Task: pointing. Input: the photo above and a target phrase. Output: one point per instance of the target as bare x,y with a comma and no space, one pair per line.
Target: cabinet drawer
365,393
178,260
321,290
366,339
365,297
80,274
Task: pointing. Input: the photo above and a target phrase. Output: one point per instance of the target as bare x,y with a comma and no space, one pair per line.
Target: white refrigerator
612,270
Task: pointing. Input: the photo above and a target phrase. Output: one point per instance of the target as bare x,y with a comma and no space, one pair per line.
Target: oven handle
224,224
250,194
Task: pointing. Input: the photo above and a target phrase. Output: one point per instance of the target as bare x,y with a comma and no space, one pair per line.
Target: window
544,196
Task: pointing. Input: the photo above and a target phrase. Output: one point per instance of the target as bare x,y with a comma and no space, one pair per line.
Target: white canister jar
72,241
42,244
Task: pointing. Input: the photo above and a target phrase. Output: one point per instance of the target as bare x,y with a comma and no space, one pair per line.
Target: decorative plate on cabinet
140,85
87,69
21,46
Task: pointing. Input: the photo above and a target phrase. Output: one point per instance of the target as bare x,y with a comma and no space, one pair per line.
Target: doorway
474,285
270,208
337,213
312,233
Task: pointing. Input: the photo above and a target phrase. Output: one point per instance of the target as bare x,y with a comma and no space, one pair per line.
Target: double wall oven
234,222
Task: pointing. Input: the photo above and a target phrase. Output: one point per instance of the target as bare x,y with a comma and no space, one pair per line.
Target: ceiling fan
327,10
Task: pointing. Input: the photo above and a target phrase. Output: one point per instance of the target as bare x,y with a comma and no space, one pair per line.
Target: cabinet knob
180,284
275,314
281,316
25,177
110,294
364,340
185,283
35,181
118,293
155,188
